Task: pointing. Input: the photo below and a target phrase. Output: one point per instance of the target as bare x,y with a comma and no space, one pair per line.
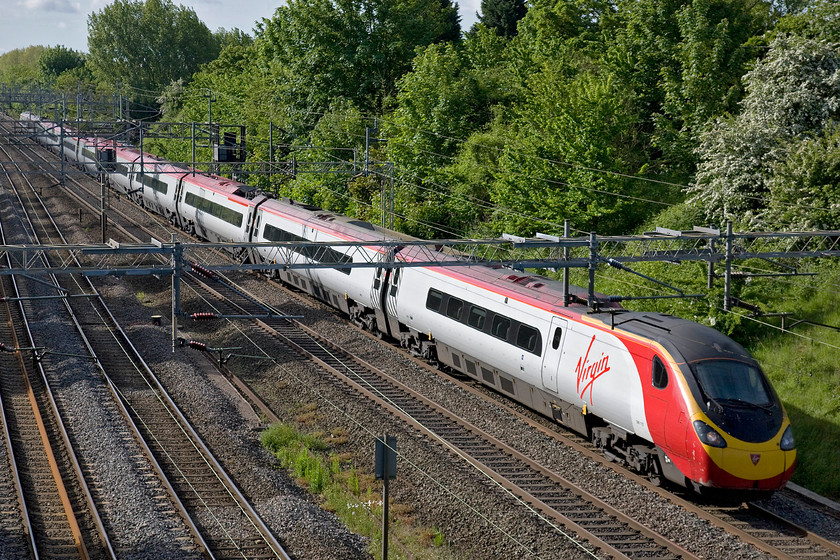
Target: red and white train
668,397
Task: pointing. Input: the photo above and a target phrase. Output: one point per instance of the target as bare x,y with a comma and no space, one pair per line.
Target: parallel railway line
58,516
438,426
751,522
222,521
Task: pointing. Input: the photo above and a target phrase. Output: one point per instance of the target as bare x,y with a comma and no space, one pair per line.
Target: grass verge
354,496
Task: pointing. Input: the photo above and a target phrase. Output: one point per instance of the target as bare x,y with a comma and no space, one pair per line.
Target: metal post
271,142
208,94
710,267
142,167
61,153
566,294
103,217
177,267
728,274
593,264
367,149
385,468
193,148
391,195
385,484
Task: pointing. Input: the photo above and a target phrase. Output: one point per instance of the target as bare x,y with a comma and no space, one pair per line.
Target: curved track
58,515
221,519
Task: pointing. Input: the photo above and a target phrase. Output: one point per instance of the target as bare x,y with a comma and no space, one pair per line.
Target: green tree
683,61
438,103
502,15
147,44
321,50
235,36
819,19
569,159
56,60
805,187
792,95
19,67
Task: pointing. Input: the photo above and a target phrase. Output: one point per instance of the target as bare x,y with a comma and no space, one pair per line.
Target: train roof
694,341
351,229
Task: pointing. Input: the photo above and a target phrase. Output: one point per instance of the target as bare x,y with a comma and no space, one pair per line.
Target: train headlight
708,435
787,442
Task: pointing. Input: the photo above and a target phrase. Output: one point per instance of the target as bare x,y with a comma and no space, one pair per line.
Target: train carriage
215,208
348,289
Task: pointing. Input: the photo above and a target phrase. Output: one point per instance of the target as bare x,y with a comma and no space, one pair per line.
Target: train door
667,420
553,352
378,298
391,302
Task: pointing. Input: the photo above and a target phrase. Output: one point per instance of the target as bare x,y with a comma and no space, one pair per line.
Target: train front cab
734,431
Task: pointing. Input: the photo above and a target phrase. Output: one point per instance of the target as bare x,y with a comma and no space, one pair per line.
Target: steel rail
574,442
48,448
276,549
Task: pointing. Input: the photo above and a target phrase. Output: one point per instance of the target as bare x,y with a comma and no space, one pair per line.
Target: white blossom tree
793,94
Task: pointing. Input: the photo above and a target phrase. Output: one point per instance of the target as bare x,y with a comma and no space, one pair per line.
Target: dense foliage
19,68
147,44
604,112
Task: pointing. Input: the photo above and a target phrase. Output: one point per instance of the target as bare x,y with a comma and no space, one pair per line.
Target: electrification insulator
205,316
197,268
197,345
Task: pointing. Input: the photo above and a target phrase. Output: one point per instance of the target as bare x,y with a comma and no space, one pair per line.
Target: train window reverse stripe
433,300
454,307
157,185
528,338
326,255
501,327
476,317
659,373
214,209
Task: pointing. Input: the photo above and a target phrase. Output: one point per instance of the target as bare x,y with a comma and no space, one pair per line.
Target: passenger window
433,300
454,307
501,326
659,373
558,336
528,338
476,317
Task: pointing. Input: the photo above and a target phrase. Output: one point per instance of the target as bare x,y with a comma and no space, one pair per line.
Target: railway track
800,545
752,524
558,502
220,518
56,510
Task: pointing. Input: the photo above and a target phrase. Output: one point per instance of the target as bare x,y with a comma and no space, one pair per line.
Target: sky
64,22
